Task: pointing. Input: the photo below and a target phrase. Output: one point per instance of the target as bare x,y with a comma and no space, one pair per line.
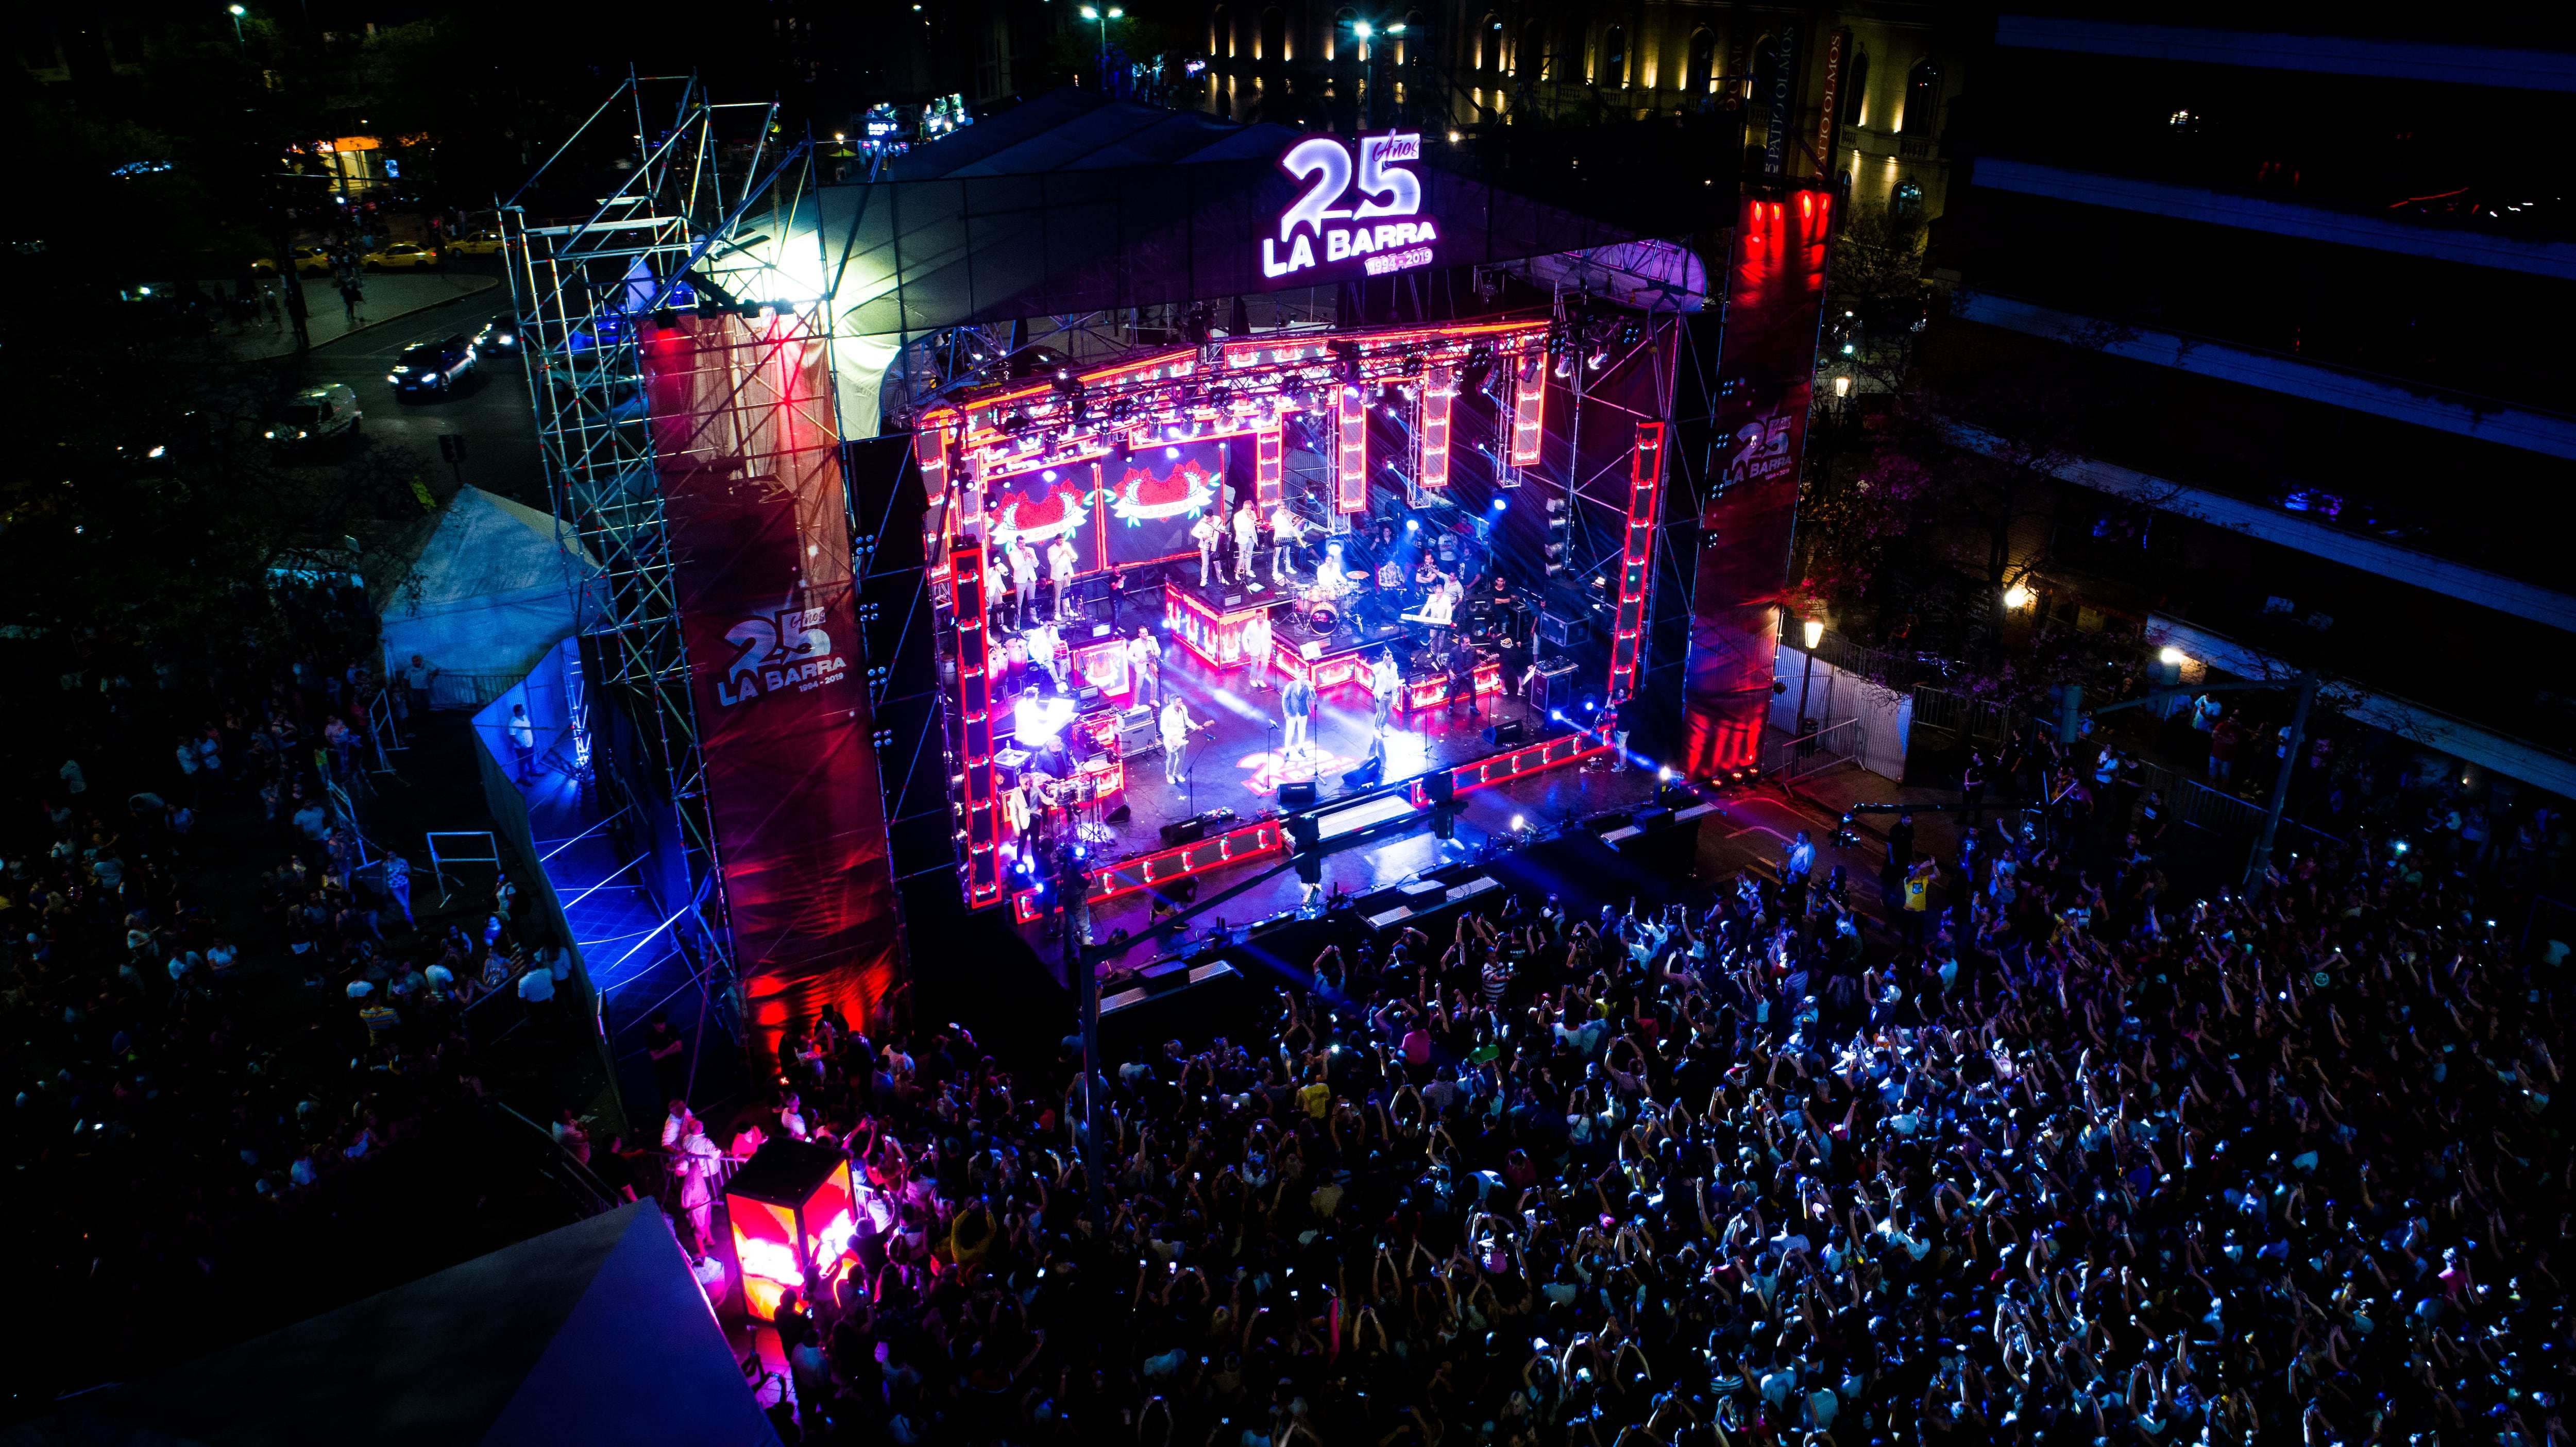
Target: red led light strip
1267,461
1353,493
1146,871
1529,402
1518,764
975,706
1439,388
930,448
1645,479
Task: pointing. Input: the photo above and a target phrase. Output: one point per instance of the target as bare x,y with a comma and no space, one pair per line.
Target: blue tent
595,1333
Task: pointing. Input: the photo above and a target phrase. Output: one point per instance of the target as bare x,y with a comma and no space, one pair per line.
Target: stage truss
700,221
1553,380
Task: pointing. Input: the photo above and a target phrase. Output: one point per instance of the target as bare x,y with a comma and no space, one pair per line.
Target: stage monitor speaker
1298,794
1441,786
1185,831
1562,628
1554,686
1424,894
1119,815
1164,978
1378,901
1505,732
1085,696
1651,818
1366,776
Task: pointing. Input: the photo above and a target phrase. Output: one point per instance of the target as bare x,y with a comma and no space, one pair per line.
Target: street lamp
237,13
1094,12
1814,631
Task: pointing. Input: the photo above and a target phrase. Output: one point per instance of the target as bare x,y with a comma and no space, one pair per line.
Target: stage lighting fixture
1413,525
1171,452
1049,474
1501,503
1596,359
1519,823
1565,365
1478,366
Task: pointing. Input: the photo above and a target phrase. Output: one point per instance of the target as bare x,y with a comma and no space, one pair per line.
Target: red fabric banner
1775,295
748,456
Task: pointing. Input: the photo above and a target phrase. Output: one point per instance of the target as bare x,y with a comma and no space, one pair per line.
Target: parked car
433,367
499,337
479,243
401,256
307,259
317,413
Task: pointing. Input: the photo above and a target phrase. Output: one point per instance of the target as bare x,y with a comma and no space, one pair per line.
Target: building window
1273,44
1220,34
1922,100
1614,57
1856,90
1489,45
1908,201
1766,64
1703,62
1343,21
1533,54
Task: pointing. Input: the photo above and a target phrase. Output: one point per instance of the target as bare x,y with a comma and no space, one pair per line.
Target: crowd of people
226,1030
2067,1160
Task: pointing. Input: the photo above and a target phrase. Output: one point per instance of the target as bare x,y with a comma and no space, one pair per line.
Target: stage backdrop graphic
1775,292
1046,505
749,462
1150,501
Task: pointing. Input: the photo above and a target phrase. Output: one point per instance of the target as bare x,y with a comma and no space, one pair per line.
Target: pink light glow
767,1259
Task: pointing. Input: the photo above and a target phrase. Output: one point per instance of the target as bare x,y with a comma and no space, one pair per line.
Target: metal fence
1964,719
2215,811
449,689
1784,760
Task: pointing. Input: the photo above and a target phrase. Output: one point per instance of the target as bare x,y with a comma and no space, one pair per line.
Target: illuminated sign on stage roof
1378,222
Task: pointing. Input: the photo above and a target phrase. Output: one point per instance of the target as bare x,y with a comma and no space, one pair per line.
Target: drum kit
1321,606
1081,796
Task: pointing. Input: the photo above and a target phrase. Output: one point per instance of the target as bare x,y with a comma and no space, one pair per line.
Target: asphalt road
490,411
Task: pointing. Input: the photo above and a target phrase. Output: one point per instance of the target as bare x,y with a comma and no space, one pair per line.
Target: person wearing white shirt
1043,644
1060,571
1176,728
1145,662
1024,576
1205,532
697,1164
1256,647
1286,531
1037,724
1247,535
1384,683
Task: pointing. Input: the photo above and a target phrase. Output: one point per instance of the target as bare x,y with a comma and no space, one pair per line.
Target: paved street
491,410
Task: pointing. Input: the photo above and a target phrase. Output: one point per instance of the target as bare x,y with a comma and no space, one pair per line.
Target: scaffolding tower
700,197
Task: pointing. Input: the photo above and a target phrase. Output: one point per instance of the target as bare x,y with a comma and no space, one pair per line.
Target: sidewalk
389,296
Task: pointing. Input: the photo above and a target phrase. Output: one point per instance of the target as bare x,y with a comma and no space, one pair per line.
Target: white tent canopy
491,591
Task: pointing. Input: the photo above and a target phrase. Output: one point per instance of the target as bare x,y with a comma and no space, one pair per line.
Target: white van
317,413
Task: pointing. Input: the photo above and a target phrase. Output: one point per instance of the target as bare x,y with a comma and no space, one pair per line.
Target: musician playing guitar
1177,726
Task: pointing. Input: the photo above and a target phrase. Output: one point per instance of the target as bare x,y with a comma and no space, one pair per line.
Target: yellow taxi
308,259
480,243
400,256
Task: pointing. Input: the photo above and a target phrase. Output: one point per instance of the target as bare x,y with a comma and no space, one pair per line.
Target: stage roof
593,1334
1074,202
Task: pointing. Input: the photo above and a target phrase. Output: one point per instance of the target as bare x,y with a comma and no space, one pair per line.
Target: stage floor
1236,765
